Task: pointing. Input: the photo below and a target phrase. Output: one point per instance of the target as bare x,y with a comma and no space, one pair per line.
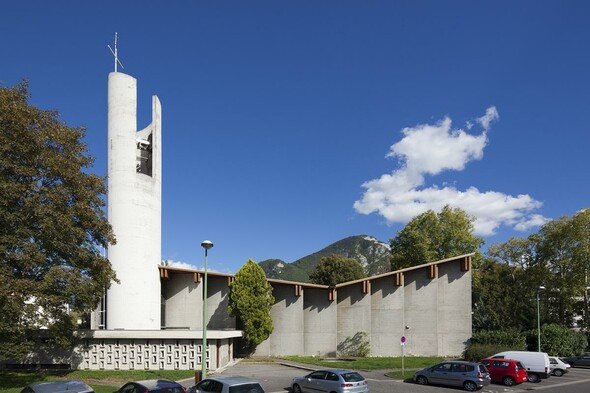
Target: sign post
403,344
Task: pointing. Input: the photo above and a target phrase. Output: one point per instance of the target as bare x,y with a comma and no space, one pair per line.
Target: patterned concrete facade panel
319,323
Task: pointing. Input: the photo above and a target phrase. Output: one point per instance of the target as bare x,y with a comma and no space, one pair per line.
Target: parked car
330,380
58,387
152,386
227,384
506,371
558,366
471,376
579,361
536,363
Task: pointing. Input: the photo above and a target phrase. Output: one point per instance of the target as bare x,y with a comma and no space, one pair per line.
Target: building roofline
310,285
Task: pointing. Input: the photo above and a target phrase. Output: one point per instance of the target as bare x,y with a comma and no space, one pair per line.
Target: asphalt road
276,378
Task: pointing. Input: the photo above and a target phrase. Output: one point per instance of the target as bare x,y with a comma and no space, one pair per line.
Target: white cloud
178,264
428,149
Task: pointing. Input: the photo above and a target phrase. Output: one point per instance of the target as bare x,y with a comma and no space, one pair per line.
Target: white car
227,384
558,366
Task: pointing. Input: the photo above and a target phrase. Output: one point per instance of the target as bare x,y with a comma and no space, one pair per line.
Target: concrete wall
421,302
183,302
387,317
320,323
217,300
354,316
454,309
134,210
287,319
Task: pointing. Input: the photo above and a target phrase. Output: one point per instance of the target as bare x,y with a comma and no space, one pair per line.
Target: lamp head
541,288
207,244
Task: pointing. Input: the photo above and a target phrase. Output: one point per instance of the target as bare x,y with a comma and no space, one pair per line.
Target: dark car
330,380
506,371
470,376
58,387
227,384
582,360
152,386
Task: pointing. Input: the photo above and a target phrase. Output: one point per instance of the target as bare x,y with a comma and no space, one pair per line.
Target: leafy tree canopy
336,269
250,301
429,237
557,258
52,226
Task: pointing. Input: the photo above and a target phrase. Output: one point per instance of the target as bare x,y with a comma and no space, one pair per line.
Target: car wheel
470,386
558,372
508,381
421,380
534,378
296,388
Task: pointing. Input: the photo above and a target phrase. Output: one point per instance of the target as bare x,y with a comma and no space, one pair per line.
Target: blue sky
288,125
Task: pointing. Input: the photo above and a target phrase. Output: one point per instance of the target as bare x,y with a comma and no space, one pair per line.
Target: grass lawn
377,363
100,381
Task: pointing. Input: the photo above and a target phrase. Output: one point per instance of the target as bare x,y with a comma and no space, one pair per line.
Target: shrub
557,340
510,338
356,346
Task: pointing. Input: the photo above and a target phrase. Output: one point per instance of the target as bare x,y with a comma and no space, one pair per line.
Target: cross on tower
114,52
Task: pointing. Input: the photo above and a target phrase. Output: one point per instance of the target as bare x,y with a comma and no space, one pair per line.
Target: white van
536,363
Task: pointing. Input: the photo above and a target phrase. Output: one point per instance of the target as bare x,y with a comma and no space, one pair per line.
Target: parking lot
276,378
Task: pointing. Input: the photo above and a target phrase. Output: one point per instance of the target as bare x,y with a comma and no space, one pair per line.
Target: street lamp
206,244
541,288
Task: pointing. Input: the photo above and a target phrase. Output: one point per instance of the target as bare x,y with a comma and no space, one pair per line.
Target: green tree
52,226
250,301
335,269
563,255
504,294
430,237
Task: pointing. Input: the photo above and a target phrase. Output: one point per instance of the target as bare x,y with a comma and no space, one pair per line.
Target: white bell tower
134,207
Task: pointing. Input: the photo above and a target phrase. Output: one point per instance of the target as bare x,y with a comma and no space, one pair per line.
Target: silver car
471,376
331,380
227,384
58,387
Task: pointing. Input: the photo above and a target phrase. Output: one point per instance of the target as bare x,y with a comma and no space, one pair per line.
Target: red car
507,371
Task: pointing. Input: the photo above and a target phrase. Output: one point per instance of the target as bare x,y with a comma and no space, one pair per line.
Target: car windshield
519,366
246,388
352,377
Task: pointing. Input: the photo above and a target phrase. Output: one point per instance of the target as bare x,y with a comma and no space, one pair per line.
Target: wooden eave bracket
466,264
433,271
331,294
366,286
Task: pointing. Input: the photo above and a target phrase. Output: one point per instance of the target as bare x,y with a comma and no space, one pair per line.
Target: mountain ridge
372,254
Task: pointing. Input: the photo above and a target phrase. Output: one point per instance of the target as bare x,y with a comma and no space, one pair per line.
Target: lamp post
206,244
541,288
